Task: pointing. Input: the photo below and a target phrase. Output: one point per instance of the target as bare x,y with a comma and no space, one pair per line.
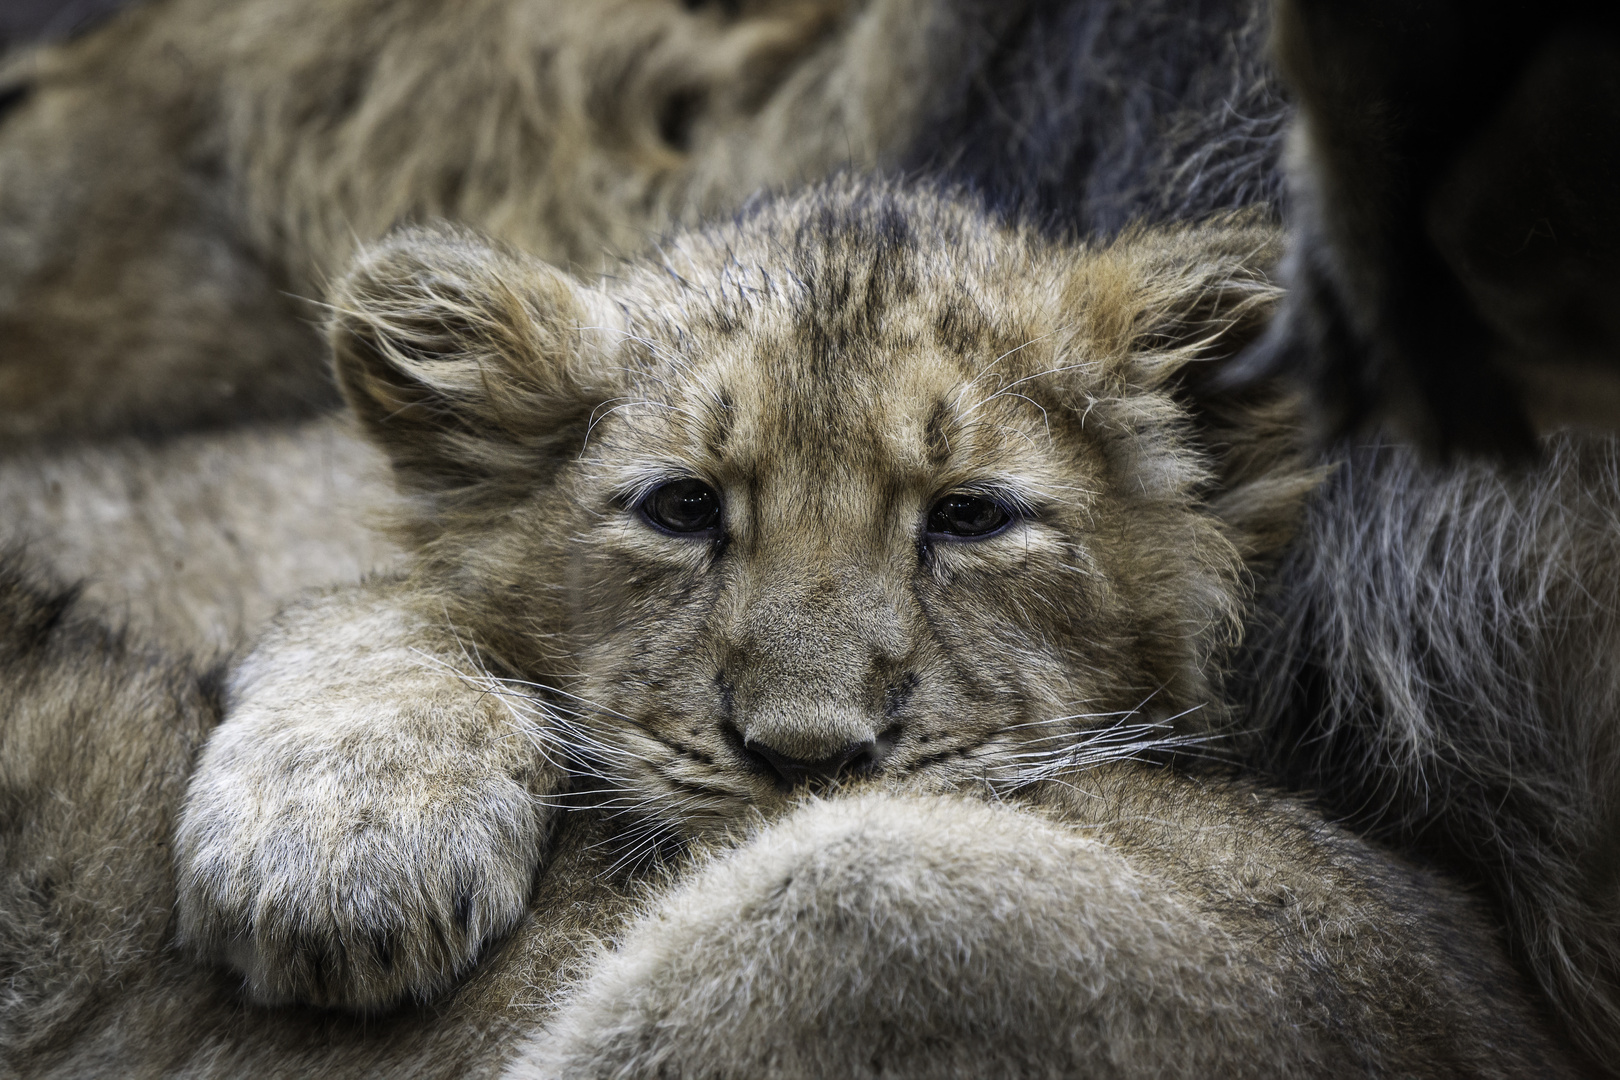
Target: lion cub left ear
1174,307
475,368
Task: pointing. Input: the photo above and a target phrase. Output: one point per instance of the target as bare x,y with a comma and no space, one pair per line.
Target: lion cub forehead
902,336
907,414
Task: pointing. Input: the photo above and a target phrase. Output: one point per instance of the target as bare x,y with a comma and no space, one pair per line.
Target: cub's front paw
343,868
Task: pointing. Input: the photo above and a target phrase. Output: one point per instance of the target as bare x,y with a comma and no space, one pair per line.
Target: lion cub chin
858,488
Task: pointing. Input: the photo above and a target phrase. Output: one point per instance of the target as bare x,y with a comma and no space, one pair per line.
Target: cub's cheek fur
362,825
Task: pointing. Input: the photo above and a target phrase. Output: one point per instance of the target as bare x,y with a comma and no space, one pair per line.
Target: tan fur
935,937
197,541
826,364
98,732
1138,924
173,184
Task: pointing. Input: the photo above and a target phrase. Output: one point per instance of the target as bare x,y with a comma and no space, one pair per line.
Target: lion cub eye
971,517
682,506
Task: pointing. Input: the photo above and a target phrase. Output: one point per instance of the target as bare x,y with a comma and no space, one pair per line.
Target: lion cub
859,486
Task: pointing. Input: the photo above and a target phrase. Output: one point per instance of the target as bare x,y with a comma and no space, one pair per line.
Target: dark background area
22,21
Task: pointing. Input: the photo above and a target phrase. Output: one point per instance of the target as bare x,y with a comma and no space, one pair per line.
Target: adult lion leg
937,936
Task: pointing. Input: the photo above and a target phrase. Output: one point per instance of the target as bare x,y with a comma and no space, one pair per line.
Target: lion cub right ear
474,367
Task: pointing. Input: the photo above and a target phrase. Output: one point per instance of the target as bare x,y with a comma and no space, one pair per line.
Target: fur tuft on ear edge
1179,305
464,360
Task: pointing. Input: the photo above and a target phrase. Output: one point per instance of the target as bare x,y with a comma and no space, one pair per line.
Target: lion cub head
859,483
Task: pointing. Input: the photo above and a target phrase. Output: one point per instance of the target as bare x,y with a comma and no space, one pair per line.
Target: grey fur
1089,115
1437,660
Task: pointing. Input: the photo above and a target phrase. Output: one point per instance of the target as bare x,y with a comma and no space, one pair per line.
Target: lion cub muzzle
851,758
813,671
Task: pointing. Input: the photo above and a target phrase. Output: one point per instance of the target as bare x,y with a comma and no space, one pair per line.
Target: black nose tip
792,770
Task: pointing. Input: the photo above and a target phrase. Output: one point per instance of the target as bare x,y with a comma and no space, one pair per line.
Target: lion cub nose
794,770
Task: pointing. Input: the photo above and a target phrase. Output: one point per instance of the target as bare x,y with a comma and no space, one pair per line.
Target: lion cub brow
828,459
929,422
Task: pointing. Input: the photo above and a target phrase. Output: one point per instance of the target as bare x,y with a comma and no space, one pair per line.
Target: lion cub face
860,484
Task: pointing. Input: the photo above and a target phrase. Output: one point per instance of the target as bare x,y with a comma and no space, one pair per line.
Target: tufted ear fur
1172,308
473,367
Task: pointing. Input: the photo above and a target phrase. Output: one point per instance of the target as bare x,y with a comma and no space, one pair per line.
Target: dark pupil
684,506
966,515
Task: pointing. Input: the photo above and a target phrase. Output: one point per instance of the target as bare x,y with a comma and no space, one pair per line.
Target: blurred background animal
1452,194
177,187
1456,217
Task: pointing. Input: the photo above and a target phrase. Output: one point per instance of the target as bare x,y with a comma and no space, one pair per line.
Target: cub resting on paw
923,936
857,491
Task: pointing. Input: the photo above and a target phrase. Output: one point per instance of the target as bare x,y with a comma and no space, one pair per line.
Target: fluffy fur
1007,114
1169,926
171,183
224,159
1436,660
957,939
98,731
201,163
1491,754
1092,115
